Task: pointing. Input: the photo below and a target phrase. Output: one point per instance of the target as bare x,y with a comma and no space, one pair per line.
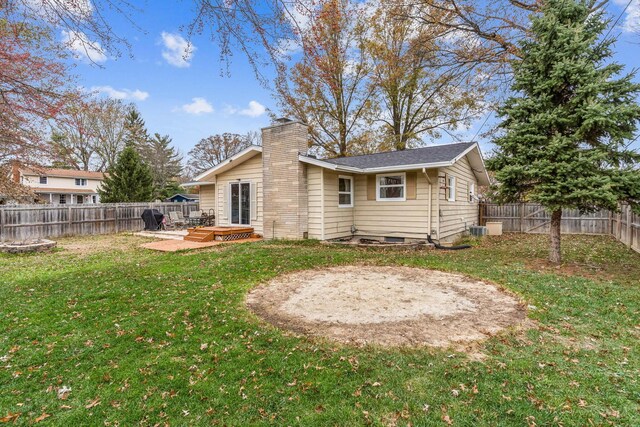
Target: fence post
619,224
70,219
629,227
521,217
116,218
3,218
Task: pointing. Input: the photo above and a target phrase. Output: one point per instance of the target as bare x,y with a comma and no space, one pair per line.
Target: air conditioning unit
477,230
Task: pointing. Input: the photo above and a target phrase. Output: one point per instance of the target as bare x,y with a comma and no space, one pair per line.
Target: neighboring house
178,198
60,186
283,192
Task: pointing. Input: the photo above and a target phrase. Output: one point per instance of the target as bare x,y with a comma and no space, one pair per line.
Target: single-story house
181,198
283,192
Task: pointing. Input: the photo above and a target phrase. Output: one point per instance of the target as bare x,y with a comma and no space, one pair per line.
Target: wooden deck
182,245
218,233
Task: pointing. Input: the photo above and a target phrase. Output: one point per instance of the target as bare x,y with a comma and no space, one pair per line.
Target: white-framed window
472,191
44,180
345,191
81,182
451,188
95,199
391,187
63,199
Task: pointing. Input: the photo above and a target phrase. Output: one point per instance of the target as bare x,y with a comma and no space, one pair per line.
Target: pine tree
135,129
164,161
129,180
566,128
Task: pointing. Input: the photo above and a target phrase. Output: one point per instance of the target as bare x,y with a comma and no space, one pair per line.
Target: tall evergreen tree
566,130
135,129
129,180
164,161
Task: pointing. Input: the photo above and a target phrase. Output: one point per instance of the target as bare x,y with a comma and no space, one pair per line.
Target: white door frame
230,202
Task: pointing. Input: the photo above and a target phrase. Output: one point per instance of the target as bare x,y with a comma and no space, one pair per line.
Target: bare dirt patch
390,306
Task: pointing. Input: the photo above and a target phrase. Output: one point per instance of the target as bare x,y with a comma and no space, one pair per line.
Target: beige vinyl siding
455,216
208,198
314,185
408,218
337,220
33,181
248,171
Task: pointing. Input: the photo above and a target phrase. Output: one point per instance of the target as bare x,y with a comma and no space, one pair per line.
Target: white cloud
83,48
198,106
177,51
255,109
136,95
631,22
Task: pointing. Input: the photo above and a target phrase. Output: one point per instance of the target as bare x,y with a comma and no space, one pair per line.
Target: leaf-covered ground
101,332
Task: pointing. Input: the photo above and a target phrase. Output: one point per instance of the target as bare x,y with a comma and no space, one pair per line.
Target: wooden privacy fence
625,226
24,222
532,218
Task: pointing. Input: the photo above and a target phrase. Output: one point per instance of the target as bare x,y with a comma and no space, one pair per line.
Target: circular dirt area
391,306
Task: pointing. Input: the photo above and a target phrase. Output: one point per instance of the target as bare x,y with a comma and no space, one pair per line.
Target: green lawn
146,338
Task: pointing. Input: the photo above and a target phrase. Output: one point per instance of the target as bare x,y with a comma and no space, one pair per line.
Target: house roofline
228,161
482,175
197,183
395,168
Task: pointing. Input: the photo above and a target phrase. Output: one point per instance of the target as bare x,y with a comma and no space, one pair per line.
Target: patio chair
175,221
195,218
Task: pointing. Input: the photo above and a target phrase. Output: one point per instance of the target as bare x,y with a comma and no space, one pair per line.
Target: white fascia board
485,174
339,168
196,183
226,162
400,168
327,165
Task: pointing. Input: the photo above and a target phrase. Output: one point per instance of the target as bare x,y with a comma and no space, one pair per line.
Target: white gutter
408,167
196,183
327,165
335,167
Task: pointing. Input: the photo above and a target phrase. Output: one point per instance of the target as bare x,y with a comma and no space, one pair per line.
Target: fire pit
40,245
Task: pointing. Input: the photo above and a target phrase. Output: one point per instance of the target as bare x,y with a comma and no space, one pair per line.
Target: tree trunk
554,234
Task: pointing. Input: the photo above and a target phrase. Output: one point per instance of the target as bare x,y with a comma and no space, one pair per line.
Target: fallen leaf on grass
93,403
42,417
10,417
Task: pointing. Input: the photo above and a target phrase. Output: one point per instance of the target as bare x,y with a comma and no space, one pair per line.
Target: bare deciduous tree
214,149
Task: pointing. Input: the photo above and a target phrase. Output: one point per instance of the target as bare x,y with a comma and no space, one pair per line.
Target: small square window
345,191
44,180
81,182
391,187
63,199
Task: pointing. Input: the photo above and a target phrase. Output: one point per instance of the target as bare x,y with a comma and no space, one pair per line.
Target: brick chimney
15,172
284,180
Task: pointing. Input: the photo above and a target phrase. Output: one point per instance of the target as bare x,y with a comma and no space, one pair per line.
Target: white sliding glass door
240,199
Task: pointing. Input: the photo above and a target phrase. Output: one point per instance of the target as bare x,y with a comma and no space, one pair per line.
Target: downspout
424,171
321,203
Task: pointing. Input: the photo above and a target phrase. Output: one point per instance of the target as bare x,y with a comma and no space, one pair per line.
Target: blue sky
190,99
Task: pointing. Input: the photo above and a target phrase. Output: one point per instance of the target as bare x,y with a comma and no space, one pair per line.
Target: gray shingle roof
431,154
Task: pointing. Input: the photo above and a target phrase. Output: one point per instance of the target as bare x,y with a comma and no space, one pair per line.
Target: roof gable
229,163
